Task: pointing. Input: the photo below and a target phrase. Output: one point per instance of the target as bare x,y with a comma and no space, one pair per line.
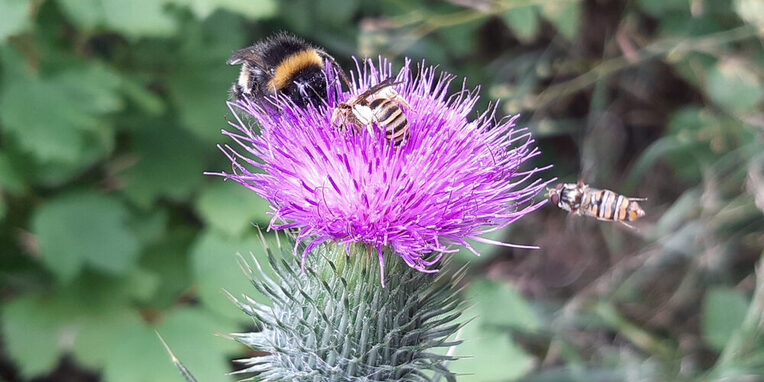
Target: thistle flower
453,179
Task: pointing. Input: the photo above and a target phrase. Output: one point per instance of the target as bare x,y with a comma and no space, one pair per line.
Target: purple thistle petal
453,179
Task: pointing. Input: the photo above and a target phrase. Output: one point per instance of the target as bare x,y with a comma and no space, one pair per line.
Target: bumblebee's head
249,78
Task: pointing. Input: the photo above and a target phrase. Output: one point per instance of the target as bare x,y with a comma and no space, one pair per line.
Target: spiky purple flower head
453,179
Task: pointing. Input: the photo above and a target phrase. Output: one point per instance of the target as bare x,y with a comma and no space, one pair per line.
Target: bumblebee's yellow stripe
284,72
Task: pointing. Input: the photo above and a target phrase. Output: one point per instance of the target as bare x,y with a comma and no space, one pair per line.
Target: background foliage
110,111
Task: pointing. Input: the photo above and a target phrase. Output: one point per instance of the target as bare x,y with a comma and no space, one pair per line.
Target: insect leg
627,225
340,71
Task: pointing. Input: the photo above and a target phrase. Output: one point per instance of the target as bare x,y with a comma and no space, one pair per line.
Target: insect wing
241,56
376,88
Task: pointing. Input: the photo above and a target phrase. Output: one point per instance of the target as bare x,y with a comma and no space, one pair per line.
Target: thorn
167,347
183,370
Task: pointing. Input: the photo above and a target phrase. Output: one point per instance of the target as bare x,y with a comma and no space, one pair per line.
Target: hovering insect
282,64
380,105
580,199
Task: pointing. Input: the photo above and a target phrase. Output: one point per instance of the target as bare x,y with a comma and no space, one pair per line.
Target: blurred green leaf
200,93
523,21
10,179
169,164
657,8
499,304
564,15
460,38
689,132
232,208
138,18
147,101
683,24
149,226
490,355
694,67
199,83
215,266
81,229
56,118
139,356
96,145
301,16
134,19
676,215
141,284
99,333
86,318
93,88
94,320
733,86
169,258
32,334
650,156
336,11
252,9
724,310
420,49
14,17
86,14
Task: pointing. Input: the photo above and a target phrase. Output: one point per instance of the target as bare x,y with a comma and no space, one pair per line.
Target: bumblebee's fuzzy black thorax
282,64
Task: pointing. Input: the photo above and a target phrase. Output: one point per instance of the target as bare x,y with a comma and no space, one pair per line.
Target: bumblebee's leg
236,92
338,67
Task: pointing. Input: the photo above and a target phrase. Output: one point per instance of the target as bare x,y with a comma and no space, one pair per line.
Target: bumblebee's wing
372,90
248,54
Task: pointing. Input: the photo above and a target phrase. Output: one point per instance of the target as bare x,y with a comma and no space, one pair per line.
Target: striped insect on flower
380,105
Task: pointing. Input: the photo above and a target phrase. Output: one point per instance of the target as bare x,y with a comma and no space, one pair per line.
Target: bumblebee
380,104
580,199
282,64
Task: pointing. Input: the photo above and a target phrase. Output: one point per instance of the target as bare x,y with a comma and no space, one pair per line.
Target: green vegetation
110,112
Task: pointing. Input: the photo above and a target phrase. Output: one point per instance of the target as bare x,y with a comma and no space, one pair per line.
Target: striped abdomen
389,115
607,205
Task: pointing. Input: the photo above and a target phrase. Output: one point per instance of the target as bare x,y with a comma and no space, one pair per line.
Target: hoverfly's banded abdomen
389,115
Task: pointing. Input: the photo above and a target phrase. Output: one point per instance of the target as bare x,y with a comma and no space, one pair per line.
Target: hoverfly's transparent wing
602,145
376,88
